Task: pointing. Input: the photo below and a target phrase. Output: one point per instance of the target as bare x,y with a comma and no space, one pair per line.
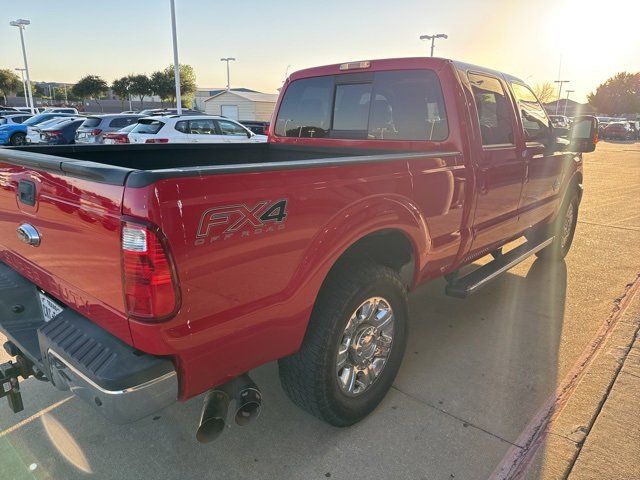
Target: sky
67,39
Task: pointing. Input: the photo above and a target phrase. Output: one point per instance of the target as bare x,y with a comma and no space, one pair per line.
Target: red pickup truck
138,275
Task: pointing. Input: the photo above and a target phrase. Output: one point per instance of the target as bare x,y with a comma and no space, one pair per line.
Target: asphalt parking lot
475,374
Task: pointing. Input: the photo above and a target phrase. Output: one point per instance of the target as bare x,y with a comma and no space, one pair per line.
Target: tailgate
77,221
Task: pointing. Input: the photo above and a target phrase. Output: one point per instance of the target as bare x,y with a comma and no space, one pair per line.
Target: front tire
353,347
18,139
563,229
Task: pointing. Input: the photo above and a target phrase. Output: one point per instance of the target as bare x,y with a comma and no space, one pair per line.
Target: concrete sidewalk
612,447
596,434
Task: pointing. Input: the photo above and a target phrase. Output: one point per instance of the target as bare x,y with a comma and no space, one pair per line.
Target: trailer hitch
10,385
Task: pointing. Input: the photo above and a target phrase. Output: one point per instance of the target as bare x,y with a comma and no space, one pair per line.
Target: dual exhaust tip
248,404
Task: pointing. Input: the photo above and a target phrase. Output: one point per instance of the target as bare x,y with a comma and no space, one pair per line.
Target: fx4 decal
241,220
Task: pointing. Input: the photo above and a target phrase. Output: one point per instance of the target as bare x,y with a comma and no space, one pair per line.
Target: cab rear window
395,105
148,126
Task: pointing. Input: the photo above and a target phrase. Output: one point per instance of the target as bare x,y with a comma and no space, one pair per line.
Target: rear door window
494,110
202,127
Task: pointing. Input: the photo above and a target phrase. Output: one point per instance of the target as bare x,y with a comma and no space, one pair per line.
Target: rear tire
18,139
562,228
340,337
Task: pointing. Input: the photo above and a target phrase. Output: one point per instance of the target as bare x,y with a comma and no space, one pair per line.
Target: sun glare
589,28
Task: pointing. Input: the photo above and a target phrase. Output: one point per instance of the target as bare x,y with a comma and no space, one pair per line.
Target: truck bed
140,165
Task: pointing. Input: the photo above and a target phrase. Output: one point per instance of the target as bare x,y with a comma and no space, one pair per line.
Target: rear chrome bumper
119,406
75,354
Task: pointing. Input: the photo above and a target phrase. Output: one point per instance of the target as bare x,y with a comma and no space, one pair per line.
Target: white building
241,105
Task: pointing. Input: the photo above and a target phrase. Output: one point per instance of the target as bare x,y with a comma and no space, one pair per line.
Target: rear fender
369,215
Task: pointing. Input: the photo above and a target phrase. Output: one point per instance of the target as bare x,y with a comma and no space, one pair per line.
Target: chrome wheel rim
567,225
364,346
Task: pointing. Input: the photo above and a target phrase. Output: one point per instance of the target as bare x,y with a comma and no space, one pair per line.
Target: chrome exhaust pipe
214,415
216,406
248,403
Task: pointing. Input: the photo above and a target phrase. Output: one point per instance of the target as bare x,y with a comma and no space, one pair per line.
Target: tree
545,91
141,86
9,83
121,88
91,86
618,95
163,84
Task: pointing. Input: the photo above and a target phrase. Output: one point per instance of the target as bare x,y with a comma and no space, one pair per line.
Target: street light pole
24,86
433,39
176,65
21,23
567,101
228,59
561,82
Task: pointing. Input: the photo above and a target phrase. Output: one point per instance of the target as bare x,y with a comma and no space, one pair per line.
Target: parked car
34,132
63,133
13,118
210,260
61,110
28,109
192,129
95,126
130,111
619,131
259,128
16,134
121,136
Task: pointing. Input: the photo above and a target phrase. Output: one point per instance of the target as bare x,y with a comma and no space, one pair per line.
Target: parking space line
34,417
463,421
631,229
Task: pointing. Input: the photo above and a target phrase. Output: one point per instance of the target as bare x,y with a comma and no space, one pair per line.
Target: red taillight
156,140
95,132
53,133
266,129
150,287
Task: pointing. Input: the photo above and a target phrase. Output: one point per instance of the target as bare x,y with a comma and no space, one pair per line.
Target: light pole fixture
24,86
433,39
567,101
560,82
228,59
176,64
21,23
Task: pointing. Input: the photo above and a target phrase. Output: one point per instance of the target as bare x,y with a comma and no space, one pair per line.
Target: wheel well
391,248
576,184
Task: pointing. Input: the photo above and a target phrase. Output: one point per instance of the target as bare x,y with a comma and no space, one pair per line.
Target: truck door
501,168
544,163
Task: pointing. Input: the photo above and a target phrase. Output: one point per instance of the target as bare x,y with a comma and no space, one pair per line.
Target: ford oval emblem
28,234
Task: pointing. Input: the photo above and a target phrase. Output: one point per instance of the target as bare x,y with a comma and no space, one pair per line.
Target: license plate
82,135
49,308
